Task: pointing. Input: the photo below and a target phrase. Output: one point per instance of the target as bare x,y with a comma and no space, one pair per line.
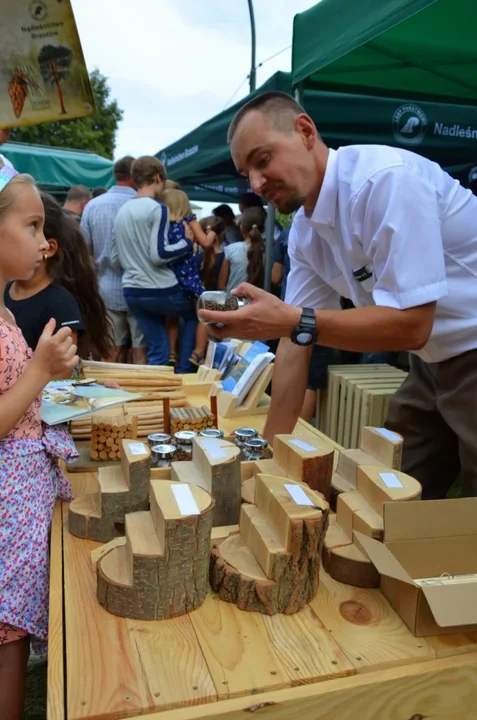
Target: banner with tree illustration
43,76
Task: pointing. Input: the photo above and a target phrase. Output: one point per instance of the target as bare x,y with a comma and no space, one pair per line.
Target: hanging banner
43,75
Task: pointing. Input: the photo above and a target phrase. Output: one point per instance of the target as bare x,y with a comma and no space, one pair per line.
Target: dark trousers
435,410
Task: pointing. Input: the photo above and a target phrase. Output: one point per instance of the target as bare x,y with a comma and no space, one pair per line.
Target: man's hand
264,318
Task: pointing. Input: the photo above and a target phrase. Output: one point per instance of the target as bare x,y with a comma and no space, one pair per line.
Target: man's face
279,165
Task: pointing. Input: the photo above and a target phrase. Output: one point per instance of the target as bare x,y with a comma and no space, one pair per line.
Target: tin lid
185,436
164,451
256,444
159,438
246,433
212,433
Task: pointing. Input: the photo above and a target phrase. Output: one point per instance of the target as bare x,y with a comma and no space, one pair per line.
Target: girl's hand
188,232
55,355
4,135
111,384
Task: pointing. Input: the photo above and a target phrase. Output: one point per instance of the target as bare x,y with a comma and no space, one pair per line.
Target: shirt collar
324,212
123,190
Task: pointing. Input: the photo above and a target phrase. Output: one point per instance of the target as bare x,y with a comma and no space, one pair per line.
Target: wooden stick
213,408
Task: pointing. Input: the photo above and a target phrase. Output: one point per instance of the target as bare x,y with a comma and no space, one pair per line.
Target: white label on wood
388,434
137,449
299,495
185,500
213,448
303,445
391,480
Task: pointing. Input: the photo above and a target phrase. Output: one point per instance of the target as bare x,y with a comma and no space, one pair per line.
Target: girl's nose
44,244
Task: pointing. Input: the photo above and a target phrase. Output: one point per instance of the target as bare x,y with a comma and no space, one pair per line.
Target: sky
172,64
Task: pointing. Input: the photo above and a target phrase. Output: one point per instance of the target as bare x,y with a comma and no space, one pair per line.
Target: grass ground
35,704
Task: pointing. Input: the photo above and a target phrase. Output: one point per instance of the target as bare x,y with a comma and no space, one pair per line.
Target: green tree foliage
96,132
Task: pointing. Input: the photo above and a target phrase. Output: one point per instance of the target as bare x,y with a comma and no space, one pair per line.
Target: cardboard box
424,540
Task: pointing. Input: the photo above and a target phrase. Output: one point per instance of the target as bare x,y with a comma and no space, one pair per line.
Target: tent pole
269,235
253,69
299,93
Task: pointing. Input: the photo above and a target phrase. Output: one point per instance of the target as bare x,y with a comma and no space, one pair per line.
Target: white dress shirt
390,228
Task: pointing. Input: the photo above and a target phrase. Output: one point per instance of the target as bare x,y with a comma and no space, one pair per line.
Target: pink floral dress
30,482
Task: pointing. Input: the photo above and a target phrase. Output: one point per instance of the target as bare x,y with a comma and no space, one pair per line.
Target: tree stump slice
303,462
162,570
122,489
272,564
215,467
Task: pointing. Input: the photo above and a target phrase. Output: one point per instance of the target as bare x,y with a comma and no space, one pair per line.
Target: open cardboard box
425,540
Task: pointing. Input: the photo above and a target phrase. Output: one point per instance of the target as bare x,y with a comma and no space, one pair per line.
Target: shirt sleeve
397,216
66,312
304,287
161,251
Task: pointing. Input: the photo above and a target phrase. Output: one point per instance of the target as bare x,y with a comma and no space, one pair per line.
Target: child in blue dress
187,268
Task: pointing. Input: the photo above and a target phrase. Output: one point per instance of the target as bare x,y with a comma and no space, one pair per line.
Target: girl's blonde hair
7,195
178,204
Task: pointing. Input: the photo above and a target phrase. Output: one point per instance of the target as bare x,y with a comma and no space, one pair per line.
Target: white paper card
303,445
185,500
388,434
213,448
299,495
137,449
391,480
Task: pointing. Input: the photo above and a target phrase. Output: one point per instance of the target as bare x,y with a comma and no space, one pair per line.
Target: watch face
304,338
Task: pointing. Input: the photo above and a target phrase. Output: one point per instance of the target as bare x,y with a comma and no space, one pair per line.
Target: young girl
63,287
244,262
187,268
30,479
213,256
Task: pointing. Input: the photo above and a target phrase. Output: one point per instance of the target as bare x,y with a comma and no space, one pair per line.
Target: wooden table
346,656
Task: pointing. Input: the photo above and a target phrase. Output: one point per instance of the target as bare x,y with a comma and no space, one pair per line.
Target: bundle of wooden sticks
108,430
192,418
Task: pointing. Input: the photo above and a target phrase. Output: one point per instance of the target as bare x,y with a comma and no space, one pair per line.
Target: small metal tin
158,439
254,448
183,440
219,300
244,434
212,433
162,455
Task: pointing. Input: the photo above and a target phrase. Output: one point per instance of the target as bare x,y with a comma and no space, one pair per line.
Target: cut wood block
349,461
339,485
387,448
311,464
121,489
348,504
272,564
379,485
215,467
349,565
162,569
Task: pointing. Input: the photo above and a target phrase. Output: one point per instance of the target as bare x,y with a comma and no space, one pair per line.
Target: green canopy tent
411,48
56,169
445,133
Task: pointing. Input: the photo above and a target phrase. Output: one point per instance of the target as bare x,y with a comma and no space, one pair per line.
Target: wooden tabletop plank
306,650
172,662
437,689
449,645
366,627
56,680
102,660
237,649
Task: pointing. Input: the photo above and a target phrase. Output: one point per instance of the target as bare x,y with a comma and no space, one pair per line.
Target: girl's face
22,242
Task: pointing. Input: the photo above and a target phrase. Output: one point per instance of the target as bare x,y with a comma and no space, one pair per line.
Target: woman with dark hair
64,287
244,261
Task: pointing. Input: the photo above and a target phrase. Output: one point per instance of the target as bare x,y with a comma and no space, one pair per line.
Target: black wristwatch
305,333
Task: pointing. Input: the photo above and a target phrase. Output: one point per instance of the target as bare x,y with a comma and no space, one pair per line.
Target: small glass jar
254,448
159,439
219,300
212,433
183,441
163,455
244,434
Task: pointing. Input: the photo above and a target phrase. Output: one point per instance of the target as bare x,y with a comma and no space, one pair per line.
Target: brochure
65,400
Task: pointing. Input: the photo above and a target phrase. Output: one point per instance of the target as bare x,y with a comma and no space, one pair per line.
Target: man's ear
305,127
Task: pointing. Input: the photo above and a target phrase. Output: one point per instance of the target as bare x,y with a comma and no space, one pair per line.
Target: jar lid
246,432
256,444
212,433
159,438
185,436
164,451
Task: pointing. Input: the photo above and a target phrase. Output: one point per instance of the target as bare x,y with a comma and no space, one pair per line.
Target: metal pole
253,69
269,235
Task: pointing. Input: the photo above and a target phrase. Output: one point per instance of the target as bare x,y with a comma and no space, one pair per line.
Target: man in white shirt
398,236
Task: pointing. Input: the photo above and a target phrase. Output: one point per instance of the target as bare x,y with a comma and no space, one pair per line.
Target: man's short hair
223,211
97,191
250,199
145,169
78,193
122,169
281,107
